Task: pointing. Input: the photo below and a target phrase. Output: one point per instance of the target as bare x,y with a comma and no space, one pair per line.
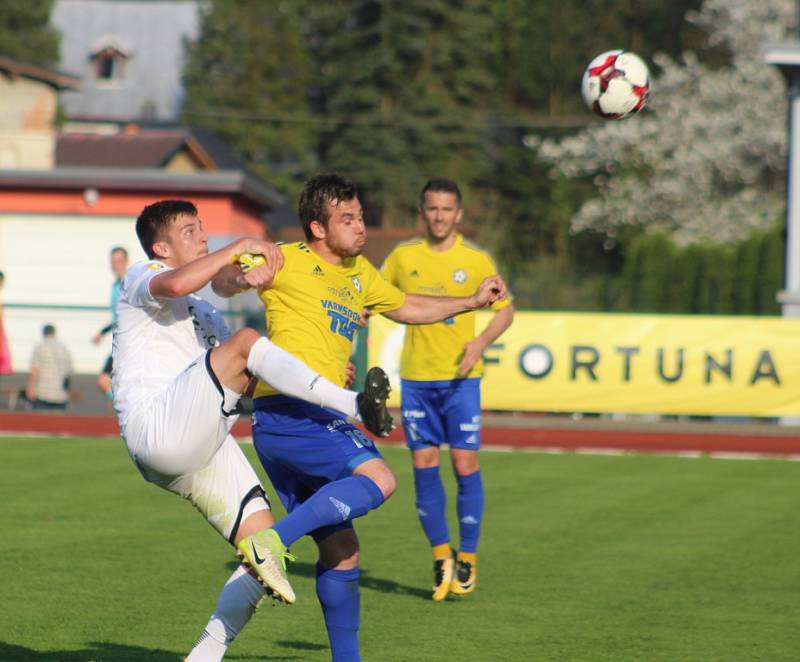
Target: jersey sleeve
381,295
136,285
389,268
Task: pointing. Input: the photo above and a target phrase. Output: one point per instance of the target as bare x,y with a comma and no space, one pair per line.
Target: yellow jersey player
440,372
325,470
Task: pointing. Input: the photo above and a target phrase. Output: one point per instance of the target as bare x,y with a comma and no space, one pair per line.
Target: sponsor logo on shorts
335,424
469,427
413,413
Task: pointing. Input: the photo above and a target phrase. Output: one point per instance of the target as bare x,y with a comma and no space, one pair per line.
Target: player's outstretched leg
372,403
266,555
239,599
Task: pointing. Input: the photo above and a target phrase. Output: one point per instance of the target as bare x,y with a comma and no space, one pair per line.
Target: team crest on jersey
460,276
356,284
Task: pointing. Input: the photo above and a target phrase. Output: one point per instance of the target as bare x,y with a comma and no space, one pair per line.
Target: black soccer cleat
372,403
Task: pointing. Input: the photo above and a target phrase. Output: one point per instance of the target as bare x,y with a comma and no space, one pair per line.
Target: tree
708,160
247,79
26,34
403,89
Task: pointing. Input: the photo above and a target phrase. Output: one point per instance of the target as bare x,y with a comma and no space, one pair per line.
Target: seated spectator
51,367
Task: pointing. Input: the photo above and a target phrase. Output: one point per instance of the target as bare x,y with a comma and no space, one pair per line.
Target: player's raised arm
191,277
422,309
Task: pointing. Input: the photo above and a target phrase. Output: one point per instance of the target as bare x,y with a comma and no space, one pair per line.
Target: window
109,64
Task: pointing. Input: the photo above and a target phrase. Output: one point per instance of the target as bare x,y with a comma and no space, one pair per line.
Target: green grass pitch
581,558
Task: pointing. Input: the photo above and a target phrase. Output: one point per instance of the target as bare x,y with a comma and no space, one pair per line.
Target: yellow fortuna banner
614,363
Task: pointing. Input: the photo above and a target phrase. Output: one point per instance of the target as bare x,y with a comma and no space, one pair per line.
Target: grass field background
581,558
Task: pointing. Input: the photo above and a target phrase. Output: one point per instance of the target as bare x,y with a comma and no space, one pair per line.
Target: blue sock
338,594
470,510
431,502
333,503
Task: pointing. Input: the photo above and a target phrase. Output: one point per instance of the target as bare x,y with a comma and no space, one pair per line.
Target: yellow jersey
313,308
432,352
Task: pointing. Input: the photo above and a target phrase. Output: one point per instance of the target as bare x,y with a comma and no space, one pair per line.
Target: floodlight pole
786,57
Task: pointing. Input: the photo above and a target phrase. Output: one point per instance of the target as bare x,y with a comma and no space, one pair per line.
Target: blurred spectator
5,352
119,265
51,367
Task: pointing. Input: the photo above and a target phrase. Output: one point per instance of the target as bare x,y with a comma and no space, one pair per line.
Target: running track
513,432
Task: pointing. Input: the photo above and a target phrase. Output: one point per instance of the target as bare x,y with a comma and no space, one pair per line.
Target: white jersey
156,339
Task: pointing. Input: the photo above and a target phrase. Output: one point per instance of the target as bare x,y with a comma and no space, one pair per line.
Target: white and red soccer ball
615,84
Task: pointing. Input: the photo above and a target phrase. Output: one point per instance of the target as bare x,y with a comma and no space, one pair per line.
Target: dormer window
107,68
109,62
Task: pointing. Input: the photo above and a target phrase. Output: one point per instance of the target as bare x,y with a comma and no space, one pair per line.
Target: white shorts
180,440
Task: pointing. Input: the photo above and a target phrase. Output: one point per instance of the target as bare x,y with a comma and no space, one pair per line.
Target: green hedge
740,279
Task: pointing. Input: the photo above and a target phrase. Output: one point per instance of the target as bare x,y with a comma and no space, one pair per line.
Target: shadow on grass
108,652
371,583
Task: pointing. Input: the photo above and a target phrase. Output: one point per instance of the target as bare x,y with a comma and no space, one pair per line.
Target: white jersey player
177,379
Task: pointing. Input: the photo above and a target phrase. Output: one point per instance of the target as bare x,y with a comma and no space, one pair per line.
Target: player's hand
259,277
269,249
364,317
473,351
96,339
491,289
349,374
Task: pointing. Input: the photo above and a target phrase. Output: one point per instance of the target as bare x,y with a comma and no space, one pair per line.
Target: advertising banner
637,364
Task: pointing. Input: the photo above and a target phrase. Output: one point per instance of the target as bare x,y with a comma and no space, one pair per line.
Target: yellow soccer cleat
442,573
466,574
266,555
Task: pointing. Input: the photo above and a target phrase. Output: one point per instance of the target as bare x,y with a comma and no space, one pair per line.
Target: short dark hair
155,218
119,249
440,186
317,194
48,330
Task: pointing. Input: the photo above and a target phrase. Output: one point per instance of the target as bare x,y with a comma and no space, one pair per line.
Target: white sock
292,377
236,604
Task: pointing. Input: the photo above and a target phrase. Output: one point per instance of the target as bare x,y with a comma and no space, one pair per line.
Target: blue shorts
442,412
303,447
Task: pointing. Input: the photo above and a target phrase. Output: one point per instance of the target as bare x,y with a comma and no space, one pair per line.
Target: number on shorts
358,438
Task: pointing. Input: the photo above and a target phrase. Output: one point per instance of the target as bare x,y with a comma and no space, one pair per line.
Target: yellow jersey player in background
440,372
325,470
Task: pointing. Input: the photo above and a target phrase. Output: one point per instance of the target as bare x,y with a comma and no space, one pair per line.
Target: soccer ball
247,261
615,84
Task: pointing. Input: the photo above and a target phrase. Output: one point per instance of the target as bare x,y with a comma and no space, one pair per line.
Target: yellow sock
468,557
443,551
